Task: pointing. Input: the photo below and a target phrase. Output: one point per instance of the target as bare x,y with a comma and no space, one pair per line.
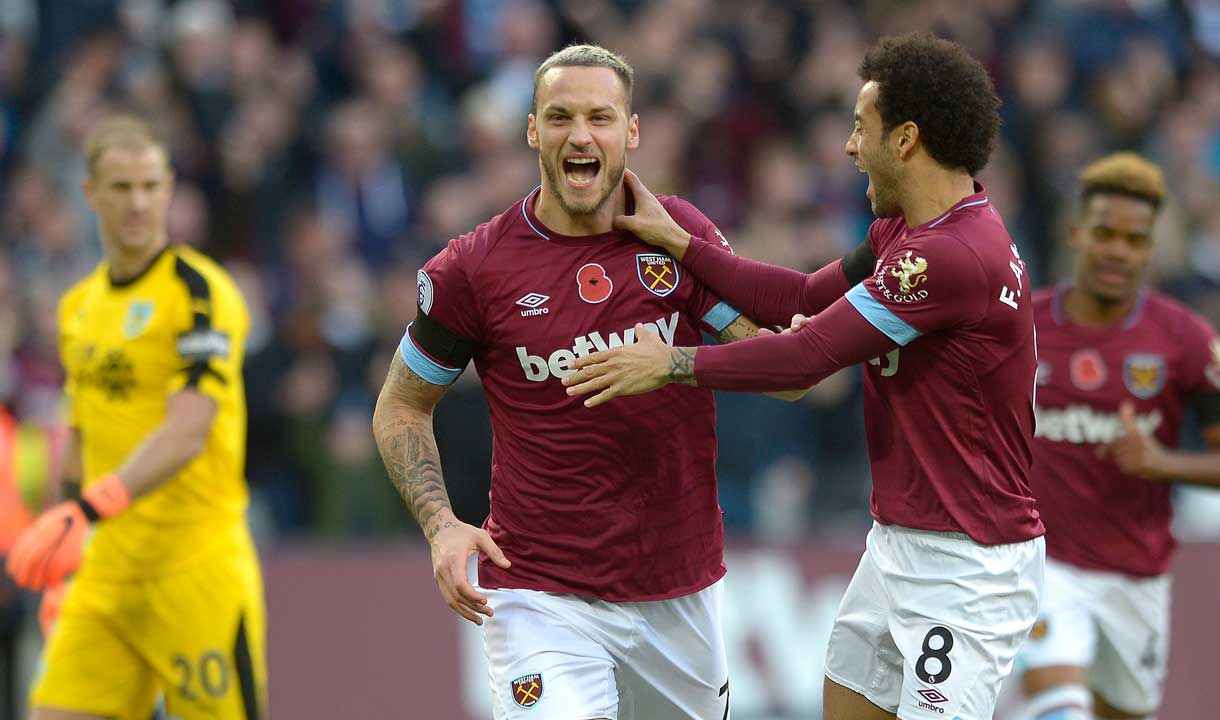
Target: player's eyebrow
560,109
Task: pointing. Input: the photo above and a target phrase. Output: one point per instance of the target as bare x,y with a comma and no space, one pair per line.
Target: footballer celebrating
1119,366
168,598
601,561
935,302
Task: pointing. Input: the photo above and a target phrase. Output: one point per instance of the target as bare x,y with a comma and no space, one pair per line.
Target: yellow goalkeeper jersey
127,347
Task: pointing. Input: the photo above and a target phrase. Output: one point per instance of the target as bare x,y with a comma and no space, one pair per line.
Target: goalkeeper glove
50,549
48,609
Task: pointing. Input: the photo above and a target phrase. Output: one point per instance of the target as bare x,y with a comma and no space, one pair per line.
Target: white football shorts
931,621
1115,625
565,657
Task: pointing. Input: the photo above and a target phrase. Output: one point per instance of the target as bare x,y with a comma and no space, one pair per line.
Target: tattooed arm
743,328
681,366
402,425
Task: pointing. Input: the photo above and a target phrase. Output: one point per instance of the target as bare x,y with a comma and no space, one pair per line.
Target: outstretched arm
172,446
402,424
837,338
743,328
768,293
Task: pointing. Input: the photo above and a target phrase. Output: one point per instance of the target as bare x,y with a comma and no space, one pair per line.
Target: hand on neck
552,213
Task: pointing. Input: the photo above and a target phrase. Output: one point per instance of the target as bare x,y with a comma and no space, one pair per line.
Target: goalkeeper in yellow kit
167,598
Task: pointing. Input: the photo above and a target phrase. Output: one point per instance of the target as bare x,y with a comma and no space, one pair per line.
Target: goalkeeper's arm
50,549
171,446
65,484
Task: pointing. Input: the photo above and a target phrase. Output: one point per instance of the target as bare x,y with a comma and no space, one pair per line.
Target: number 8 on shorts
936,646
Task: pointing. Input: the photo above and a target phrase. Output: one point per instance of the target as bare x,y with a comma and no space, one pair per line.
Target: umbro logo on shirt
533,301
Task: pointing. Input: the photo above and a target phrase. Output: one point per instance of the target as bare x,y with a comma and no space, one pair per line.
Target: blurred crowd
326,148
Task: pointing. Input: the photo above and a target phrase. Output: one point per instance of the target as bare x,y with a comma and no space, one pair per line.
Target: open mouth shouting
581,171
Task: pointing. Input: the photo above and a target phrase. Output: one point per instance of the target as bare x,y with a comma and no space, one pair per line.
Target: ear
531,132
906,139
633,132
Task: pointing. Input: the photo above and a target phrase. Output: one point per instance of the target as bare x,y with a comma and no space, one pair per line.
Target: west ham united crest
658,273
527,690
1144,374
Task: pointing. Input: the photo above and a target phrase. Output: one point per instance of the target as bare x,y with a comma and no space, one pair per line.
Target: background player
938,308
168,597
601,558
1119,366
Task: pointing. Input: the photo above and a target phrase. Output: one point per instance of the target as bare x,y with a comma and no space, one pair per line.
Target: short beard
885,205
614,174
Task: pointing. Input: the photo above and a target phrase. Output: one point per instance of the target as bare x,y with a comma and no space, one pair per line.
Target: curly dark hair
935,84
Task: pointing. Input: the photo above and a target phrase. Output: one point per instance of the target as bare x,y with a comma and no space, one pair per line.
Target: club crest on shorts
527,690
139,314
1088,370
1144,374
658,273
1039,631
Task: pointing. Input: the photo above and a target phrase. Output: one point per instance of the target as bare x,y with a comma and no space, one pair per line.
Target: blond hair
1123,173
125,132
586,56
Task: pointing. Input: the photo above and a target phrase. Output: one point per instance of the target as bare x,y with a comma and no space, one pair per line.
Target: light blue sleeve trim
721,316
880,317
424,366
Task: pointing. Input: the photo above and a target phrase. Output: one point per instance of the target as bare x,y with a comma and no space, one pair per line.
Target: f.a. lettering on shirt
616,502
949,411
1159,358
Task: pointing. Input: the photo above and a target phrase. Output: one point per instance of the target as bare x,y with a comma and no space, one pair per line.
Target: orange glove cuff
107,497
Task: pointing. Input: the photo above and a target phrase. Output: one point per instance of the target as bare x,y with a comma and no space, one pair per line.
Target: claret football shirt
616,502
1158,358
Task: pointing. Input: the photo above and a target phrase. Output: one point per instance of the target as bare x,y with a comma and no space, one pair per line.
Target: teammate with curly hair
935,303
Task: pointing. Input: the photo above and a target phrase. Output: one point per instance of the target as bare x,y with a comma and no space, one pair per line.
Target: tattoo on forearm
408,448
682,365
739,329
